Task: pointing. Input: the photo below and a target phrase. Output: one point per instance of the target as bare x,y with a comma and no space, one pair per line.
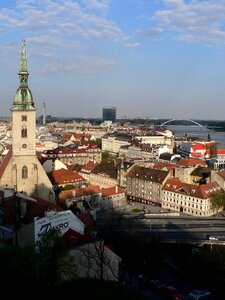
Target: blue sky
148,58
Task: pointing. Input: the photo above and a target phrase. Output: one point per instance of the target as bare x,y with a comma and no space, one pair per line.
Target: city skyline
149,59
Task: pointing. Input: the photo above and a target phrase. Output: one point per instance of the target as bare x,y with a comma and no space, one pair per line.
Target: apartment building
189,198
144,185
75,154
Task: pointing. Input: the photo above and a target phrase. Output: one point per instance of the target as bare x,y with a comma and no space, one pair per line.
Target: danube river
197,131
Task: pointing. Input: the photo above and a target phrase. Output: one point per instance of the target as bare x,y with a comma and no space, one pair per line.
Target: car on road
170,292
213,238
199,294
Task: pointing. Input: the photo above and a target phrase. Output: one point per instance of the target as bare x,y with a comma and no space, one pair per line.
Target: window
24,172
24,132
23,118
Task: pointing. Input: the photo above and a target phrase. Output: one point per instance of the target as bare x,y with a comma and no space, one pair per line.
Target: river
197,131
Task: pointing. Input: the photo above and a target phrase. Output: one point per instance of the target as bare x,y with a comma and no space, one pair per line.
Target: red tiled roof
89,166
75,167
79,192
222,174
218,151
64,176
162,165
203,191
88,220
34,209
191,162
112,191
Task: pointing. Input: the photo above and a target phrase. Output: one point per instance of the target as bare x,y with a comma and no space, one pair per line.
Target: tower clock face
24,146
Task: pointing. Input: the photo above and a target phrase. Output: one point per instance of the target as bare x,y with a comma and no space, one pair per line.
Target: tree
218,201
54,263
107,156
212,151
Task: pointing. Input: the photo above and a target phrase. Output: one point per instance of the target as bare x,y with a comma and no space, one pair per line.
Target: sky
147,58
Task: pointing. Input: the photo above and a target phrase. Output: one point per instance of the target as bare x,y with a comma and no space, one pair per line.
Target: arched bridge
172,120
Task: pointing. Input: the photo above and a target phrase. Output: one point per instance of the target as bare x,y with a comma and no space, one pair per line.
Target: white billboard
63,221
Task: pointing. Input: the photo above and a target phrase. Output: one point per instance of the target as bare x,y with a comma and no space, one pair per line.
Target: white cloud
132,45
150,32
61,17
80,65
97,4
195,21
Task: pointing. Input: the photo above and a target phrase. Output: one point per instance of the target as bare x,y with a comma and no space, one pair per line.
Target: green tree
67,187
54,263
218,202
107,156
212,150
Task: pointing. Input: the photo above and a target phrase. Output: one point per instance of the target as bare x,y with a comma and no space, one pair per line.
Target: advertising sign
63,221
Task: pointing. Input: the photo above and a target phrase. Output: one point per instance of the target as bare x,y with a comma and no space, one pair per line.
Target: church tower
21,169
23,114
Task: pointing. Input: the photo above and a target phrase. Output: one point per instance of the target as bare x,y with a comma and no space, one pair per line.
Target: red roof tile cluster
64,176
74,167
114,190
76,136
203,191
164,165
33,209
89,166
191,162
71,150
222,174
79,192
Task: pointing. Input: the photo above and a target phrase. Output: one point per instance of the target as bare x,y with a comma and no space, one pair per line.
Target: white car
199,294
213,238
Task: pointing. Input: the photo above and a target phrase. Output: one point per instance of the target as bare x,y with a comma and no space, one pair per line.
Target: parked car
171,293
199,294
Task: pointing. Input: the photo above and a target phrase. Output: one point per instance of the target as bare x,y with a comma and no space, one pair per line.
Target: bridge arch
194,122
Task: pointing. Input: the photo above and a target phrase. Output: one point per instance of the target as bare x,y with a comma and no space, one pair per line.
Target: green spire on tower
23,62
23,99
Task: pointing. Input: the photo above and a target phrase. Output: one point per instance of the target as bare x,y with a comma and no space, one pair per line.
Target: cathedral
21,169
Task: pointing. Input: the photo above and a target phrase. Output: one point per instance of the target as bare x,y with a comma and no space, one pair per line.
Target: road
167,228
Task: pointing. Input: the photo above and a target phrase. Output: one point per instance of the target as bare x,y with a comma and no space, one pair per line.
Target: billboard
63,221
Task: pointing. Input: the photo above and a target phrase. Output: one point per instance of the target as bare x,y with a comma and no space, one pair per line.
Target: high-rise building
109,114
21,169
44,113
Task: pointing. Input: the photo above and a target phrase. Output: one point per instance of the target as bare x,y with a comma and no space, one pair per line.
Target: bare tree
97,260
